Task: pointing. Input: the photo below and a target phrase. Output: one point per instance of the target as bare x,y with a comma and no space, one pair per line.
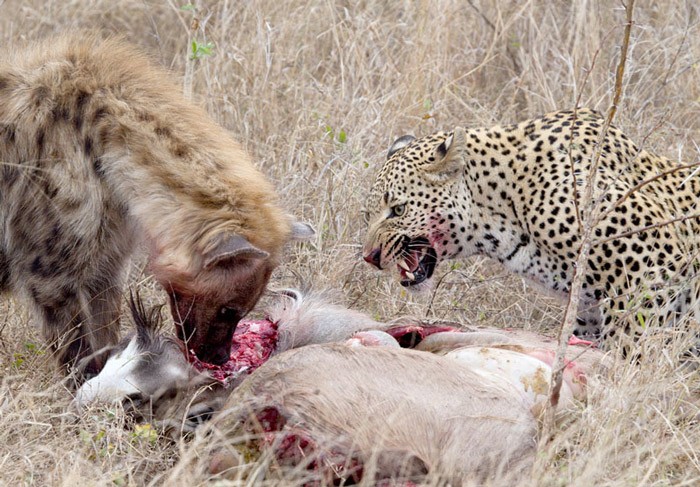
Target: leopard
513,193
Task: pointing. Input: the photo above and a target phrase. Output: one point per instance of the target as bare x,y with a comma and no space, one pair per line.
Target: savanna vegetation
316,91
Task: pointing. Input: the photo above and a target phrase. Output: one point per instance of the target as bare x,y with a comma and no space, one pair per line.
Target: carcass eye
200,415
228,314
133,401
398,210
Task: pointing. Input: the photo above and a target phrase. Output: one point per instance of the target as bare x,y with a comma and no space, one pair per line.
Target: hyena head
232,277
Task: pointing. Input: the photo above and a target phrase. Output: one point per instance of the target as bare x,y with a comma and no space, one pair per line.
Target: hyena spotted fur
100,153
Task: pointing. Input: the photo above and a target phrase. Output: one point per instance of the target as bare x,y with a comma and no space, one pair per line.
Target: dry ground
317,90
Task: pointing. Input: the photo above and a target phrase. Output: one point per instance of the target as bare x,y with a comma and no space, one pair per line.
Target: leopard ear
450,157
398,144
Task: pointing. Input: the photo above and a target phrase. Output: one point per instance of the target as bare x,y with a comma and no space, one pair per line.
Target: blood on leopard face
416,258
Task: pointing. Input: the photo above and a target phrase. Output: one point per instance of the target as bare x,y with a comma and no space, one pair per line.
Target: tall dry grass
317,90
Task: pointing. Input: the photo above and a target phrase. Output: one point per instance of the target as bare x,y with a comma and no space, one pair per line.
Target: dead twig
647,228
590,219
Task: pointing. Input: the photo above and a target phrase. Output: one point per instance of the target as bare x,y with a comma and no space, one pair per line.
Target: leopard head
416,205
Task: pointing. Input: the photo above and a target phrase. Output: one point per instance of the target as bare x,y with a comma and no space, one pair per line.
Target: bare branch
572,168
639,186
590,220
482,15
647,228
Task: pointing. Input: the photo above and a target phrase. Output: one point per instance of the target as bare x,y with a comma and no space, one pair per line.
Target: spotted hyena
100,153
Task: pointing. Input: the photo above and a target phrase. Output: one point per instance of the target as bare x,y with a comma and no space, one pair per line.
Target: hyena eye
398,210
228,314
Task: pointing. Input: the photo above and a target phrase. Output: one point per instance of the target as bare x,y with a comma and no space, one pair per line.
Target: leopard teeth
404,266
410,275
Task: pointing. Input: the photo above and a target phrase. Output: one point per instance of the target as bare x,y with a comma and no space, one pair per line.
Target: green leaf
201,50
329,131
342,136
188,8
641,320
145,432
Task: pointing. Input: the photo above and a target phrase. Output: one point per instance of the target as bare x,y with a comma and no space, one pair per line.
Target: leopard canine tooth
410,275
404,266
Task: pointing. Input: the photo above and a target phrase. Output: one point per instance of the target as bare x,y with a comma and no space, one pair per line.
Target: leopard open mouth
418,263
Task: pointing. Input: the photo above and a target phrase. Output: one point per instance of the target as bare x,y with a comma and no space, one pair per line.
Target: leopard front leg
625,320
588,321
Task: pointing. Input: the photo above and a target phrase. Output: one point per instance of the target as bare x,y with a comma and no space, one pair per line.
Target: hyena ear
450,157
399,143
232,247
302,231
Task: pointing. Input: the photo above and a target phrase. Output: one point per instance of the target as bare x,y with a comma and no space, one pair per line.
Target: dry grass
285,74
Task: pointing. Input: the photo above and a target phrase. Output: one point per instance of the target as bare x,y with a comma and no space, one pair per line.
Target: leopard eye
399,210
365,217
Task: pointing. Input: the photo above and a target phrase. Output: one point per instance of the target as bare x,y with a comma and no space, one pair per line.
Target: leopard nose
374,257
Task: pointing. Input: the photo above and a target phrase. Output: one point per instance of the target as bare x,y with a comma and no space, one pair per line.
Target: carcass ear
294,294
302,231
399,143
450,157
232,247
147,322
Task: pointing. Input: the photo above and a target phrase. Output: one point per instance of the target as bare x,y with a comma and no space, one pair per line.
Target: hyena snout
216,355
206,330
206,307
206,320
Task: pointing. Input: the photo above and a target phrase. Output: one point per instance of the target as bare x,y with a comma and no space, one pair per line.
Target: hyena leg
62,317
103,302
4,272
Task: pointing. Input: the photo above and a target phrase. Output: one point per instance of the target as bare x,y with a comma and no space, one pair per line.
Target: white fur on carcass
372,338
113,382
528,374
137,369
305,320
